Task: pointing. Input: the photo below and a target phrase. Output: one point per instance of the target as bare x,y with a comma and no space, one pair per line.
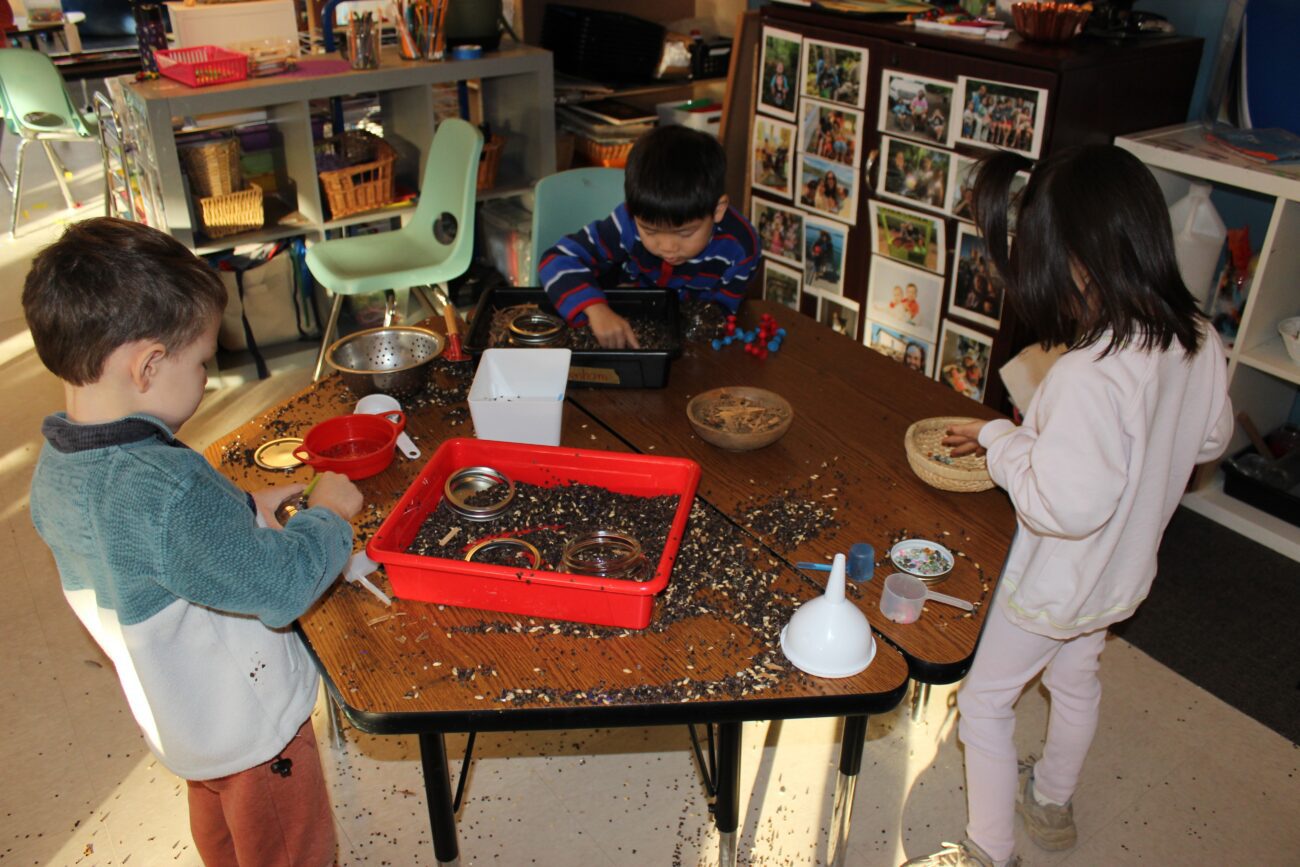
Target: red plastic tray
202,65
536,593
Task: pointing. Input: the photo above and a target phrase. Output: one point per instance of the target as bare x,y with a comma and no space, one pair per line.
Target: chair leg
422,292
18,187
327,335
9,185
60,174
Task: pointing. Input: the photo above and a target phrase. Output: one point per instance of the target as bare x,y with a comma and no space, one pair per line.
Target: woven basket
489,161
611,155
213,167
366,182
967,474
231,214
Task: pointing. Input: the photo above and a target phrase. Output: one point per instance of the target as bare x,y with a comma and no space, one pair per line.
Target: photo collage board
939,314
806,171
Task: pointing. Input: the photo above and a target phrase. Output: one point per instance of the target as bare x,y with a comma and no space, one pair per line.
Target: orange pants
257,818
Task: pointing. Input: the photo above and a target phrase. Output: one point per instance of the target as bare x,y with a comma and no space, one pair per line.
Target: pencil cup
363,48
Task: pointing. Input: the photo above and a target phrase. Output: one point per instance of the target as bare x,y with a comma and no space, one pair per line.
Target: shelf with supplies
1262,377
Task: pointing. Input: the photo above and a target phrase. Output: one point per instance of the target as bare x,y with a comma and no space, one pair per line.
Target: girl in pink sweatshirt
1108,443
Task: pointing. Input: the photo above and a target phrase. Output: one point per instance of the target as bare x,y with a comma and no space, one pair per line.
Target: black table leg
437,794
726,807
851,745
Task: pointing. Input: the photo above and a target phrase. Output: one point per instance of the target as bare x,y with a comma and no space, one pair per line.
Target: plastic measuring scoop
379,404
905,595
861,562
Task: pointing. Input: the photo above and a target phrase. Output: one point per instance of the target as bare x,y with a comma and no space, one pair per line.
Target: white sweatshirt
1095,472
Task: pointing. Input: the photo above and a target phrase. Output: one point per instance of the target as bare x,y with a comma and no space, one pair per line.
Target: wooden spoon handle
453,321
1256,440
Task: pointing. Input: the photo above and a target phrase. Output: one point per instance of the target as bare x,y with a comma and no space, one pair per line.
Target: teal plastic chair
565,202
37,107
420,254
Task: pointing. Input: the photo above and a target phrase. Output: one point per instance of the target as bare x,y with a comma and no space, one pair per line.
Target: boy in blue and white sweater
165,561
675,229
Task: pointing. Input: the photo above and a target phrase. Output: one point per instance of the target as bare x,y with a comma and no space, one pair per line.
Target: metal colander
393,360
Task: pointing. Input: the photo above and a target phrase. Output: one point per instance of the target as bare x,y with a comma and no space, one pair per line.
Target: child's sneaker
1050,826
963,854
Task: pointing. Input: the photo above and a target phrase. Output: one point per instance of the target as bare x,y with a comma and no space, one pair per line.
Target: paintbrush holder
361,47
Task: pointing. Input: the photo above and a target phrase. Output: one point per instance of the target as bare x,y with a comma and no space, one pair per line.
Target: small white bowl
1290,330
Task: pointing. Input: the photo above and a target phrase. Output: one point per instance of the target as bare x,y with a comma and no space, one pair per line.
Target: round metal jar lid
607,554
462,485
536,328
278,454
528,551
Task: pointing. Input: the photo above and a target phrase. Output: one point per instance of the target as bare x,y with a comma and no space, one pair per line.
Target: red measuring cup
358,446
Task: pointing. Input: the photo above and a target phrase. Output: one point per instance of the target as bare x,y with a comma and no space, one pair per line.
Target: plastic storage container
518,395
610,368
531,592
1199,234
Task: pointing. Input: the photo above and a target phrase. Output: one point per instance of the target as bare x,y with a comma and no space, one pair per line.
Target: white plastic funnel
829,636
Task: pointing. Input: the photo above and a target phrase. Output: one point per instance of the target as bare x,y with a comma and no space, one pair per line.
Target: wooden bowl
740,418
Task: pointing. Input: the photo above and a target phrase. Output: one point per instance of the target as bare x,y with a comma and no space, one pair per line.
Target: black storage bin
603,46
712,58
607,368
1284,504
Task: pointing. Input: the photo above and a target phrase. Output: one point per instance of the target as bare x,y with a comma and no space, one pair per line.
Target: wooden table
427,669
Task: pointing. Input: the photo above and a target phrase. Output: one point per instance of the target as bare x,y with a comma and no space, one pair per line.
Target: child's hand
269,499
336,492
610,330
963,439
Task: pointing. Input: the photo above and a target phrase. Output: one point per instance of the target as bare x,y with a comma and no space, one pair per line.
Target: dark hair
674,175
108,282
1097,209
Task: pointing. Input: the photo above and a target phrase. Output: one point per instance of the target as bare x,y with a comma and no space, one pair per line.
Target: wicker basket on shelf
213,167
232,213
489,161
365,181
933,462
611,155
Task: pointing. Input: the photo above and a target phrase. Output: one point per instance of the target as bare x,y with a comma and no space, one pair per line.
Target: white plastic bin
224,24
518,395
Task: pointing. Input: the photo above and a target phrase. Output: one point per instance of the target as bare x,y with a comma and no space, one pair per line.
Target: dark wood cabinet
1096,89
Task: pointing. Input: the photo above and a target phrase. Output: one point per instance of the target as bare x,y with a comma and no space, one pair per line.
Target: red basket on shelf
202,65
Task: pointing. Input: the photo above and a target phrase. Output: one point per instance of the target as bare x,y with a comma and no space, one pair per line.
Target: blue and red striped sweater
609,253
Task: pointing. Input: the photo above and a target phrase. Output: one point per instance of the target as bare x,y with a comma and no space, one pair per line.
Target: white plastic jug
1199,234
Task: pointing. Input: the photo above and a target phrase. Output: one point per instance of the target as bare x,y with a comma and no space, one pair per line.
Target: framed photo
916,107
908,236
838,314
907,349
998,115
913,173
781,284
779,72
823,256
834,72
904,297
780,230
830,131
963,363
977,289
773,148
828,188
961,187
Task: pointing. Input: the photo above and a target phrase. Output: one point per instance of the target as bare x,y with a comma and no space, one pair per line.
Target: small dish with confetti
927,560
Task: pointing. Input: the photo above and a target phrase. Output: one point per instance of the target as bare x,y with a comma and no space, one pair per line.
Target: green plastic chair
565,202
37,107
419,254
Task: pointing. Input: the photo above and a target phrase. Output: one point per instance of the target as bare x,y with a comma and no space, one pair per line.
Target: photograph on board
913,172
781,284
772,166
908,236
905,297
961,189
779,85
907,349
780,230
999,115
834,72
823,255
828,188
913,106
838,314
963,362
830,131
977,289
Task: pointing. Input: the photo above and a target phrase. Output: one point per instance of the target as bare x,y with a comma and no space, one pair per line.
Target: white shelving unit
1262,378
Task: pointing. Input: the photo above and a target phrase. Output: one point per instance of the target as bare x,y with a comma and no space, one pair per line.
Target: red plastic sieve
358,446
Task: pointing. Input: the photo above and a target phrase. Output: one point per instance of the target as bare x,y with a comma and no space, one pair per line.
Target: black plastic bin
609,47
607,368
1284,504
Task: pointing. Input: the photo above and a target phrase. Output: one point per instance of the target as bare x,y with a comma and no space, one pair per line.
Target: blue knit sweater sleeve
572,270
212,552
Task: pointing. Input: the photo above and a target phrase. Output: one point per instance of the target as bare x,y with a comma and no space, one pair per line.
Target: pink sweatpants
1008,658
